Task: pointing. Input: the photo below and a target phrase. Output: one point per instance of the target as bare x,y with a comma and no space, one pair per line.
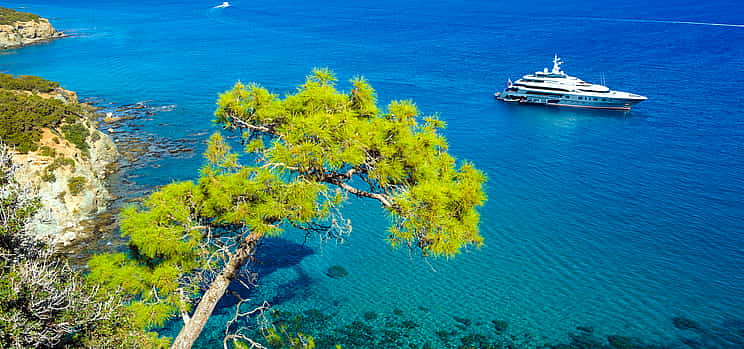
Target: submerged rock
585,340
692,343
685,323
500,325
475,341
392,332
336,272
462,320
445,336
390,338
316,316
620,342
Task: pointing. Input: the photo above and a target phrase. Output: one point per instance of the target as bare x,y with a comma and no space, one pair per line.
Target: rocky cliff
70,181
26,31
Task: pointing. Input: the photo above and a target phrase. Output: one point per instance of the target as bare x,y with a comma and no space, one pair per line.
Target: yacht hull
569,101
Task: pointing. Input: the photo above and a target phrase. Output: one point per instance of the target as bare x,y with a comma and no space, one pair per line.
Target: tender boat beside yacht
557,88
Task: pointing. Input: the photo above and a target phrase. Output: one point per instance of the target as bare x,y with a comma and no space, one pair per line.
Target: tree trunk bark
192,328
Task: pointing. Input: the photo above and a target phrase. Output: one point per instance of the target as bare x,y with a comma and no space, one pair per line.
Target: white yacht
557,88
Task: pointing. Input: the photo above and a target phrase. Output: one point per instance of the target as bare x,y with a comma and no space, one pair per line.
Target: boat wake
660,21
219,14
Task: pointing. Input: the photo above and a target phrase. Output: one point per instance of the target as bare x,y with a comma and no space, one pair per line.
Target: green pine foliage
77,134
9,16
167,232
165,245
46,151
322,134
22,118
27,83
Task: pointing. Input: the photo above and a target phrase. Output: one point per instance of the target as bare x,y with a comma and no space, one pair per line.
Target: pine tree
310,150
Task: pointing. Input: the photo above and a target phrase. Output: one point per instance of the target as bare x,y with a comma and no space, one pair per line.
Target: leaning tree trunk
193,327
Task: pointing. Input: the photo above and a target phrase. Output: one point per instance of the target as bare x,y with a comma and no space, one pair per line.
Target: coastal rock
685,323
370,316
462,320
500,325
620,342
19,34
336,272
71,182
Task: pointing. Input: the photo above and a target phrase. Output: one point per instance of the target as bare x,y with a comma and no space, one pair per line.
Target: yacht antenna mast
557,65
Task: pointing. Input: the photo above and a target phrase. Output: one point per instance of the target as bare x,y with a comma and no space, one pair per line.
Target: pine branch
238,122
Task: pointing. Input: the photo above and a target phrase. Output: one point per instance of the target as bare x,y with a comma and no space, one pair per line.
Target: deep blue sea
619,221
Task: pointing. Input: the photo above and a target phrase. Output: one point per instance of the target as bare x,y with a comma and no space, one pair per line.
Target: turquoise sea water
618,221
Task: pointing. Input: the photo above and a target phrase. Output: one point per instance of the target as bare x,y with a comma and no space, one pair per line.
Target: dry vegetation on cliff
59,151
10,16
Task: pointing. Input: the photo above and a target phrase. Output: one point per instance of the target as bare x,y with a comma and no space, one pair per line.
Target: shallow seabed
618,222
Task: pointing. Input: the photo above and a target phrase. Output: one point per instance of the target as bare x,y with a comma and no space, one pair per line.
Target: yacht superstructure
555,87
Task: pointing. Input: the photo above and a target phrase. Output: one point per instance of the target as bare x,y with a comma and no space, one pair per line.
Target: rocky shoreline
118,149
139,150
71,182
26,32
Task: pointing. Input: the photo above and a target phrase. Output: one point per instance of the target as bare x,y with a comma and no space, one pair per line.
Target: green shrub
22,117
27,83
77,134
8,16
76,185
48,152
48,176
61,162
